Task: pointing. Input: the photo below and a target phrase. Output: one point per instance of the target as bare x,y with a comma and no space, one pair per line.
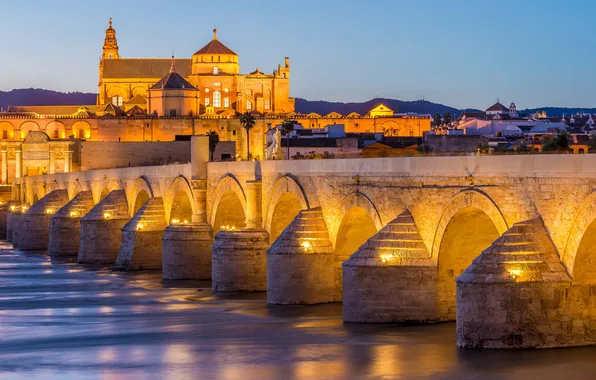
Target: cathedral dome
215,58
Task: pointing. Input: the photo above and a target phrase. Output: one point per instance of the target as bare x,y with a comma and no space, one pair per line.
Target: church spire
110,44
214,34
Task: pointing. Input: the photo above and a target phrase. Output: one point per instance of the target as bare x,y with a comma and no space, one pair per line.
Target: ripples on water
59,320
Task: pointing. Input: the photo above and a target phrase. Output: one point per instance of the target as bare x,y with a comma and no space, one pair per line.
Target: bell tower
110,44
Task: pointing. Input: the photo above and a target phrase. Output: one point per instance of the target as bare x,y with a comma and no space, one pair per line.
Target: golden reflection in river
321,361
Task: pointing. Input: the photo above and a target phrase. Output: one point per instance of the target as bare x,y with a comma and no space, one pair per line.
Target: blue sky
463,53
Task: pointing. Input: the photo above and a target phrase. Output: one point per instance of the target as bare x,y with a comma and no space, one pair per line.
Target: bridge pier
514,294
300,263
187,252
35,222
13,222
391,278
240,257
65,225
5,211
141,246
101,229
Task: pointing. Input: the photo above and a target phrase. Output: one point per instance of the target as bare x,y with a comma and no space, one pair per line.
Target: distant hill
40,97
418,106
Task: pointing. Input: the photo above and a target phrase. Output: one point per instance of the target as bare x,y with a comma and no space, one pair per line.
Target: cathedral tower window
267,104
216,99
226,102
215,70
117,100
206,102
248,105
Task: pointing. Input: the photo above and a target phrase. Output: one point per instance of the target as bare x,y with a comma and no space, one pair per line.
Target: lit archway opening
142,198
286,209
469,232
181,209
230,213
355,229
584,269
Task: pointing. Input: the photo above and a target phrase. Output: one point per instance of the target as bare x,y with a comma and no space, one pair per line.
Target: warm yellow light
386,257
140,226
185,221
106,215
24,208
73,214
514,272
12,208
49,211
175,221
306,246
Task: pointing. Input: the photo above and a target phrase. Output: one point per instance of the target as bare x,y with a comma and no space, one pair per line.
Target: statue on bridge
277,150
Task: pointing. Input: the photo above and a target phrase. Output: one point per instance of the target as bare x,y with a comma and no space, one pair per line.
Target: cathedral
209,82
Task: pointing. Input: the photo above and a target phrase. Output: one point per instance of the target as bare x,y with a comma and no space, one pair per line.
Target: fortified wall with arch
506,245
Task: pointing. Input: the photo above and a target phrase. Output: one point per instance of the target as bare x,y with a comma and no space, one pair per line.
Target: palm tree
248,122
213,141
287,127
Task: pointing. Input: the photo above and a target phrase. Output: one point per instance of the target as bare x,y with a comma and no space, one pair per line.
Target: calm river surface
61,321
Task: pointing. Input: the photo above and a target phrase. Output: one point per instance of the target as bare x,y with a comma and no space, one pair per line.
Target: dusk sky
463,53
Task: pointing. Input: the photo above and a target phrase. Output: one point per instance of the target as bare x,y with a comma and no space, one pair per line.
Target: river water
59,320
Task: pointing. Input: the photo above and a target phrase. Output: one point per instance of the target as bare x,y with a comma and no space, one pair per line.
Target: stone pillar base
513,295
65,225
142,238
35,232
300,263
11,209
240,261
391,277
187,252
140,250
13,227
100,241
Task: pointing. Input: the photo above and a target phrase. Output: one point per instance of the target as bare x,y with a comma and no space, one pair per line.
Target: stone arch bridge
504,245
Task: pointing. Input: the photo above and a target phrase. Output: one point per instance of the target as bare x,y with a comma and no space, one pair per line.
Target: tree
248,122
447,118
559,142
287,127
437,119
213,141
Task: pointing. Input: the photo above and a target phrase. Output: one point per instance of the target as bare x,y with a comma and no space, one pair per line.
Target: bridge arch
577,254
140,193
181,201
354,200
286,201
470,223
229,198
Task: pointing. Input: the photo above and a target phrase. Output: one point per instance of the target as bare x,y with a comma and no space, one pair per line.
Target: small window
117,100
4,135
267,104
110,56
172,113
226,102
411,133
284,75
56,134
234,132
216,99
248,105
215,70
206,101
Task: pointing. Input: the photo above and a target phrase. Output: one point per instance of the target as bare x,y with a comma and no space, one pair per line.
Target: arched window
248,105
117,100
206,102
267,104
226,102
216,99
215,70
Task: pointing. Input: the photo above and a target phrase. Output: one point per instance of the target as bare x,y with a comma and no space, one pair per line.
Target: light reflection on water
83,323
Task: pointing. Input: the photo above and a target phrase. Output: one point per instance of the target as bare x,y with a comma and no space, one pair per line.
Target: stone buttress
300,263
101,229
35,222
187,251
65,225
13,224
141,246
10,208
240,256
391,277
512,295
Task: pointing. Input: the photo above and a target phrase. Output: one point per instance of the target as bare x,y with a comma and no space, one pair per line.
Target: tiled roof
50,110
497,107
143,67
215,47
137,99
172,81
